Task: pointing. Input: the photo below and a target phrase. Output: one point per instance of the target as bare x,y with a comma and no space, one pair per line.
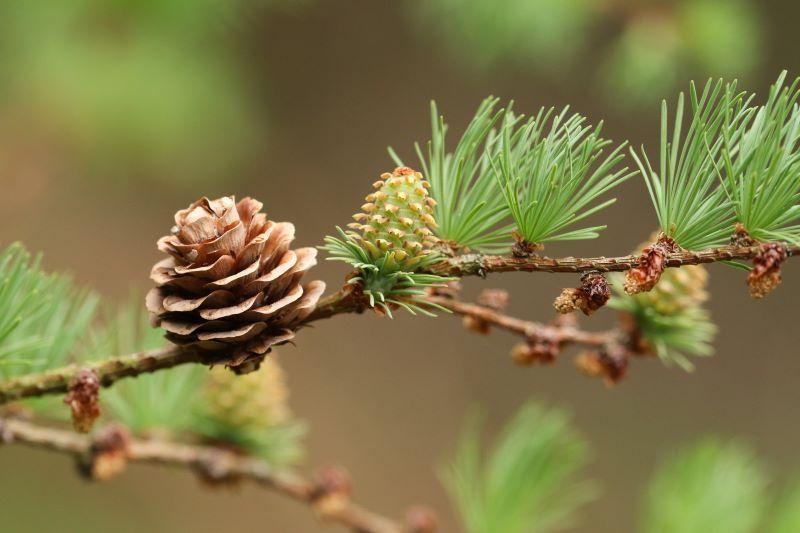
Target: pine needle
527,482
551,173
712,486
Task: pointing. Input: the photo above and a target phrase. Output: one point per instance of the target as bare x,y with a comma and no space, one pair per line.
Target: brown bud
83,400
332,492
766,272
421,520
741,237
596,292
652,263
542,349
589,364
593,294
475,324
108,453
523,248
609,363
637,343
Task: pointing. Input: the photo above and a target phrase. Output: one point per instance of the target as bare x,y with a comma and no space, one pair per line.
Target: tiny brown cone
231,284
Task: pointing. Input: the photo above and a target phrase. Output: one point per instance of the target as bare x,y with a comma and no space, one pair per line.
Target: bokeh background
113,114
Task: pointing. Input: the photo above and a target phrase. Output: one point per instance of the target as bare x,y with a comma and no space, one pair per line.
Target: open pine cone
232,285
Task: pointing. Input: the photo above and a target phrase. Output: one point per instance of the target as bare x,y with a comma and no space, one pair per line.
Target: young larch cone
766,272
652,263
231,284
254,402
397,219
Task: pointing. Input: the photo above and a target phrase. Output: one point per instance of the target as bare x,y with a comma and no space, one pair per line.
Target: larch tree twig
211,463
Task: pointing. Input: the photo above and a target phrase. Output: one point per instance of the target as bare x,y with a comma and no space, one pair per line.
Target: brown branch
108,371
111,370
607,355
221,464
562,334
347,300
480,265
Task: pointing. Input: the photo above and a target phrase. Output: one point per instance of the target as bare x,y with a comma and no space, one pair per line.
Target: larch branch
480,265
566,334
225,465
345,301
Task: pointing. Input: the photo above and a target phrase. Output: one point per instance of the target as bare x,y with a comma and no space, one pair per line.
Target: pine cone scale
219,268
231,283
218,313
217,298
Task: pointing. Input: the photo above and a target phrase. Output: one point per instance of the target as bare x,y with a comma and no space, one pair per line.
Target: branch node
332,492
741,237
523,248
542,348
494,299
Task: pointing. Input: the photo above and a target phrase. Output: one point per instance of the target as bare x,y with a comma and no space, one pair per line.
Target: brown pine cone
231,285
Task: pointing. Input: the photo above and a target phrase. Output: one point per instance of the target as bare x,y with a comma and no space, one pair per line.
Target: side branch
566,334
480,265
221,464
108,371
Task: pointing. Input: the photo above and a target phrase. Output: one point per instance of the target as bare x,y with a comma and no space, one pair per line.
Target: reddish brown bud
421,520
652,263
542,349
741,237
333,491
83,400
522,248
611,364
637,344
593,294
475,324
108,453
766,272
596,291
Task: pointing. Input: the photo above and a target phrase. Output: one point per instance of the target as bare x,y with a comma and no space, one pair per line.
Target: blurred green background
113,114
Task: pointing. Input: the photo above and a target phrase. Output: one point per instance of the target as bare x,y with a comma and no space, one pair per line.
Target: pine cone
232,285
397,219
